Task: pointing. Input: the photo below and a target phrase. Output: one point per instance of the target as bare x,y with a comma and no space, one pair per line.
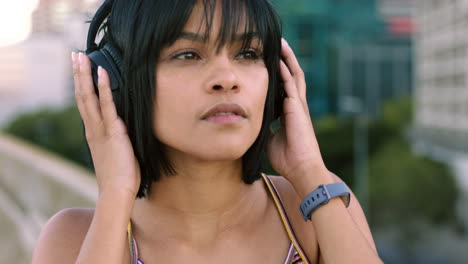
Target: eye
187,55
249,54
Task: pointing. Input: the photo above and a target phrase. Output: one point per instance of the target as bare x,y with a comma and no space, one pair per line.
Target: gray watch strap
322,195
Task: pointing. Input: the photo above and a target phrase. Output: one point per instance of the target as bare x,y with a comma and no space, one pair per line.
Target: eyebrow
203,38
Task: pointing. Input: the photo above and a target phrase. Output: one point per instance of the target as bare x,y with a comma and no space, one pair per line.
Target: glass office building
350,49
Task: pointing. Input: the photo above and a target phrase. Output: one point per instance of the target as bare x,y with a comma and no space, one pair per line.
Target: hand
293,149
117,169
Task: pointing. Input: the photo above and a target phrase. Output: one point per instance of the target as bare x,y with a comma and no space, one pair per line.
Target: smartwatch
321,196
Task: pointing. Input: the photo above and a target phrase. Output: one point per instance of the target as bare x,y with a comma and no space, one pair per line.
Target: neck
200,202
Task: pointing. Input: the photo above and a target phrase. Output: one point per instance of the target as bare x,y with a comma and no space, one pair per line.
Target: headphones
108,57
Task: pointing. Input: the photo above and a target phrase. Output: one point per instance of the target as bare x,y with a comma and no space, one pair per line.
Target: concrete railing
34,185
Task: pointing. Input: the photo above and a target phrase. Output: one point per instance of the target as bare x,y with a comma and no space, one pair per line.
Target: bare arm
106,240
118,177
342,233
307,232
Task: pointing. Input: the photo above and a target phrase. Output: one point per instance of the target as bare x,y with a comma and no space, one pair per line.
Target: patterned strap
284,217
130,242
291,252
293,256
133,246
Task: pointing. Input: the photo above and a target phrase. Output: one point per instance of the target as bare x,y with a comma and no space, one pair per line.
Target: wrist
117,194
306,180
116,205
322,195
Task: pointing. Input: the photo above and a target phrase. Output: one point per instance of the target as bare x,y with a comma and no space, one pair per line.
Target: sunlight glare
15,20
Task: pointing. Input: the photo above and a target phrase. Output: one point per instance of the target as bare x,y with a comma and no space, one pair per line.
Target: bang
238,19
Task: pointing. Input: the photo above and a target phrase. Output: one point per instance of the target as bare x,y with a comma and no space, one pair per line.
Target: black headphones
108,57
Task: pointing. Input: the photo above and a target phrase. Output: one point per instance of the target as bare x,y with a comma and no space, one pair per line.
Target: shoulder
61,238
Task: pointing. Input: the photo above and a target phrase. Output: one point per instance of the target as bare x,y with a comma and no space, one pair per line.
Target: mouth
225,113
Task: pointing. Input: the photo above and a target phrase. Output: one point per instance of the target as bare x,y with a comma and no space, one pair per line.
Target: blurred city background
387,89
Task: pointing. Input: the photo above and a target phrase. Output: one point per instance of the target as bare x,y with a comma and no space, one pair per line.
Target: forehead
215,13
220,20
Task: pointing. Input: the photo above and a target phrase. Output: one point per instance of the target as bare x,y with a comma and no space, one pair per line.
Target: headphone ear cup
108,58
115,55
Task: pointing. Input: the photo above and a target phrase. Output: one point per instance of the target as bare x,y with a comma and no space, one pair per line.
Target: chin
214,147
225,152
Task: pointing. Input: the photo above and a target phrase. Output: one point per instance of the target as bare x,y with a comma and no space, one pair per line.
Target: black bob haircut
140,29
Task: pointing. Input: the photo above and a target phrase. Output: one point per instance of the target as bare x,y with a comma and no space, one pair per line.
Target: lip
225,108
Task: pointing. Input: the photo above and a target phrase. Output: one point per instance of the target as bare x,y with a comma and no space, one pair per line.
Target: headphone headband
108,56
98,18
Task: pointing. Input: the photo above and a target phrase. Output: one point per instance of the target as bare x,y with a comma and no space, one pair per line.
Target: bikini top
295,253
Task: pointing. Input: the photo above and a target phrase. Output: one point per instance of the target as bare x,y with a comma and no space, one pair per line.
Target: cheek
171,109
260,95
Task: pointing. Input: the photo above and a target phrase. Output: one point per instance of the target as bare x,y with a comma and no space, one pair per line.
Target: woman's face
209,102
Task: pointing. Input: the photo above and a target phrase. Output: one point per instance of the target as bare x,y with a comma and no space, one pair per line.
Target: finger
76,81
294,67
296,72
289,82
290,86
88,95
109,113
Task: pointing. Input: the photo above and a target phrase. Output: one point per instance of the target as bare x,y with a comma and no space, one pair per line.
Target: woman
200,84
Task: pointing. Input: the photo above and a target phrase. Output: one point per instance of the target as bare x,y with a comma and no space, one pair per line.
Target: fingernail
80,57
73,57
99,71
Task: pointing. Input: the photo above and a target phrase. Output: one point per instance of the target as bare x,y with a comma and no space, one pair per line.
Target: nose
222,77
